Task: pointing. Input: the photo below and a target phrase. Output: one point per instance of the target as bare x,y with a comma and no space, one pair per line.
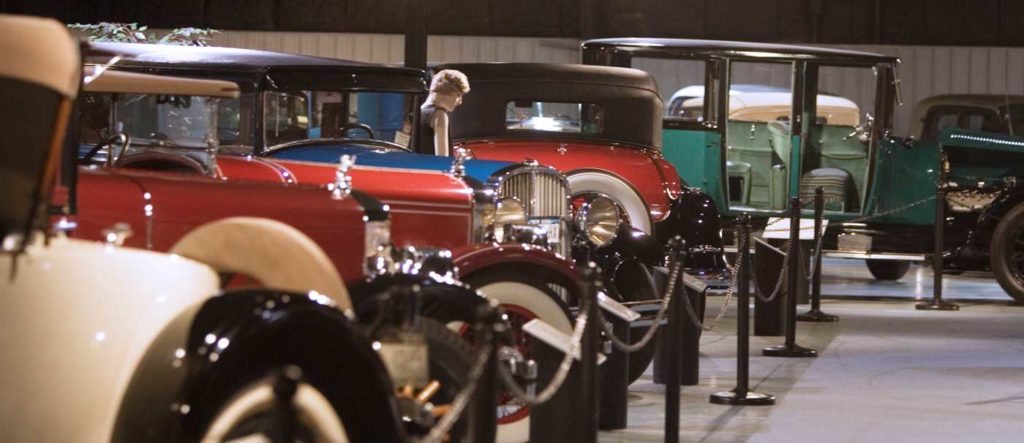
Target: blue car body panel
480,170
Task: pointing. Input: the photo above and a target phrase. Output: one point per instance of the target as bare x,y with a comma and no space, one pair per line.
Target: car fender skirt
485,256
695,217
283,258
238,338
440,299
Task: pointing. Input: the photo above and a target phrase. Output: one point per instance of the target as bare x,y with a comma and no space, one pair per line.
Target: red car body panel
482,256
427,208
182,202
653,178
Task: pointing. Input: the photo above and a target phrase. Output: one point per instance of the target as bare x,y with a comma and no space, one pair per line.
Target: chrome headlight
599,218
377,247
509,211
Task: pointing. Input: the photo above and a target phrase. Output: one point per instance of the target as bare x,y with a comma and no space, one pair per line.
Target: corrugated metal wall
926,70
388,48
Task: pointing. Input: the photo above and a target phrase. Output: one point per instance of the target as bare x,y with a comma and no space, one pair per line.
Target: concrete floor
886,372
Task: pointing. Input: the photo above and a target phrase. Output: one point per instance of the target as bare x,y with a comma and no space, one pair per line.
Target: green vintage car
756,124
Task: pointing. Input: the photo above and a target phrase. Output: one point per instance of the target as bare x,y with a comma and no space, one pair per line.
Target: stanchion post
480,413
936,303
589,350
614,404
815,314
790,348
742,395
562,419
673,368
691,330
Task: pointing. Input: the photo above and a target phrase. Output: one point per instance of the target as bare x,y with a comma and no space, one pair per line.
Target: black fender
237,338
625,262
994,212
441,299
694,216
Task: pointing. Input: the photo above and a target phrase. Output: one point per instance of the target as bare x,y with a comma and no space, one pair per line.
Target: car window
291,116
963,117
234,120
149,119
1013,117
579,118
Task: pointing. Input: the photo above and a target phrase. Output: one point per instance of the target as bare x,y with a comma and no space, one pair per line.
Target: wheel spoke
429,391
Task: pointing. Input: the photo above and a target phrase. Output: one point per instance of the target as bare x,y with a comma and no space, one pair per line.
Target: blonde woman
446,91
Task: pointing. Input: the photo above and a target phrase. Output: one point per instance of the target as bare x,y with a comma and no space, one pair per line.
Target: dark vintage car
601,127
110,343
429,207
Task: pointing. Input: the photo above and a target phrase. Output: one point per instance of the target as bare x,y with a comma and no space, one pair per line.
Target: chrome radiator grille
544,193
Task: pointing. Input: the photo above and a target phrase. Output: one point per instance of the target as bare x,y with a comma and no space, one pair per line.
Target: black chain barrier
458,405
659,317
549,391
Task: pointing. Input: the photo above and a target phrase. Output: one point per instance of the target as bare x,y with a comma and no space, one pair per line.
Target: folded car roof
131,82
669,47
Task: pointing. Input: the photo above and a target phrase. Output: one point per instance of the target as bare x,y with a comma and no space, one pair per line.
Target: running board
847,254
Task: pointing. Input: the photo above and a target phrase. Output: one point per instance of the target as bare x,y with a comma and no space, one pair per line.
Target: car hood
479,170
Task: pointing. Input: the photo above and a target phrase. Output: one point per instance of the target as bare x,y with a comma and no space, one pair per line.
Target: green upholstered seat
748,144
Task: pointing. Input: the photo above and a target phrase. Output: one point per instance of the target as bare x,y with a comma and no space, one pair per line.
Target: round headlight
509,211
599,219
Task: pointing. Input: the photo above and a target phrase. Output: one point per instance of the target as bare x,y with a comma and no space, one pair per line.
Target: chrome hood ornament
459,164
342,186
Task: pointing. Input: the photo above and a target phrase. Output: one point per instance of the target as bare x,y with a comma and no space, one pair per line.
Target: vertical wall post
416,34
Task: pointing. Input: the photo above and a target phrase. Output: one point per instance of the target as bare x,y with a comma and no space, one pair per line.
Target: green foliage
133,33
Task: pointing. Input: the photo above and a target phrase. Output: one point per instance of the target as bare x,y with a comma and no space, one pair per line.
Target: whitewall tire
616,189
519,297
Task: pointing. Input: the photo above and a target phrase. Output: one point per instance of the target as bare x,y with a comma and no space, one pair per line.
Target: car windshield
291,116
149,120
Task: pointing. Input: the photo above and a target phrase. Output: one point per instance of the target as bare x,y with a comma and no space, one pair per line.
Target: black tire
888,270
1007,253
451,360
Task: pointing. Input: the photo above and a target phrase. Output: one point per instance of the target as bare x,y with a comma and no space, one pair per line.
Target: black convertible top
670,48
628,97
250,67
555,73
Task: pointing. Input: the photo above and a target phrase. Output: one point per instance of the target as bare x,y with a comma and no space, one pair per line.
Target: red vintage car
152,161
601,127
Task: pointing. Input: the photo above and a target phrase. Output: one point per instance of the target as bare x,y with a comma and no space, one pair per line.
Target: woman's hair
449,81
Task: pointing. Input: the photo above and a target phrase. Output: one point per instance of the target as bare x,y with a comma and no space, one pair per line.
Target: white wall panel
925,71
388,48
934,70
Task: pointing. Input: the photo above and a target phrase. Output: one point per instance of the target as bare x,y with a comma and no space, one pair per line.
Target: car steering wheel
125,140
342,131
